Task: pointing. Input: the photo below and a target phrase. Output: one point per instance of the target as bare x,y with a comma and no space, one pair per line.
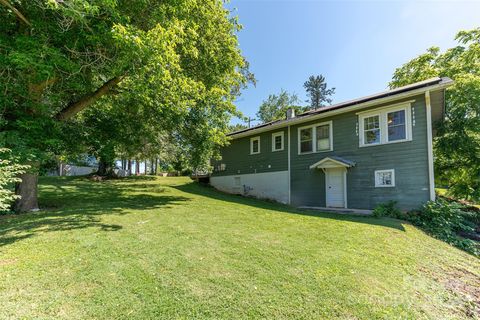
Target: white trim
345,188
298,120
257,138
278,134
314,136
325,171
339,164
431,176
377,185
289,171
390,106
382,114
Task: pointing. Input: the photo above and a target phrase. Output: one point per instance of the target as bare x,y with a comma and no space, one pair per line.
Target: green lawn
168,248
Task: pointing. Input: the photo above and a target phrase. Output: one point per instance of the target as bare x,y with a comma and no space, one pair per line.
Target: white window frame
251,145
274,136
314,137
377,182
382,114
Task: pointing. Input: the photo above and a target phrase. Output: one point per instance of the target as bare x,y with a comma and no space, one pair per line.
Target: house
356,154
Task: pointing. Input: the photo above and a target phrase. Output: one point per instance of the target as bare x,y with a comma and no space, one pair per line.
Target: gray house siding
238,160
408,159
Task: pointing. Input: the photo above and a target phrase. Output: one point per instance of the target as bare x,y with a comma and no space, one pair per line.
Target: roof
436,83
331,162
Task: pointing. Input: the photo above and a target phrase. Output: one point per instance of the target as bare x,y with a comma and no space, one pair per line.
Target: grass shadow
77,203
210,192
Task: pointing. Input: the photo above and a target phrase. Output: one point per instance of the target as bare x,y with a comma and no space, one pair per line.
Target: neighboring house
354,154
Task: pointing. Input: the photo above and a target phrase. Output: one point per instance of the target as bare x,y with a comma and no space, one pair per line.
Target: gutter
442,85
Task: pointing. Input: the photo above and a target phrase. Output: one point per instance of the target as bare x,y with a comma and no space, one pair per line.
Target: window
306,140
323,137
315,138
385,178
396,125
371,130
277,141
387,125
255,145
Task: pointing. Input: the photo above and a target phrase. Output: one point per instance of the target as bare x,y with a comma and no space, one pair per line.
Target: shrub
444,220
9,170
387,209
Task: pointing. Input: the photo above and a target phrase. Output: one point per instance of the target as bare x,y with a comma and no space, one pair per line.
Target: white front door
335,187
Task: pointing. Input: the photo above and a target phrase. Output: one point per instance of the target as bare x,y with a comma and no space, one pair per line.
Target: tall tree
60,58
275,106
457,145
317,91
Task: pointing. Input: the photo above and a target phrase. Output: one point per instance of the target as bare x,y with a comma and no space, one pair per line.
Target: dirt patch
6,262
464,284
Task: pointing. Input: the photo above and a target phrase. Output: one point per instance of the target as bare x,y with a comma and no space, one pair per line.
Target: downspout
431,177
289,172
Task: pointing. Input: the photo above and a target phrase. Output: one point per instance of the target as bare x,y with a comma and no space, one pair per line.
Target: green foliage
317,91
177,68
9,171
457,146
387,209
237,127
445,220
275,106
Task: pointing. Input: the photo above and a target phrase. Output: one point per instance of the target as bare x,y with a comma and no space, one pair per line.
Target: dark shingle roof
380,95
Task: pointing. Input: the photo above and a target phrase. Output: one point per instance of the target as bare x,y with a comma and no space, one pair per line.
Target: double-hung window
386,125
315,138
255,145
277,141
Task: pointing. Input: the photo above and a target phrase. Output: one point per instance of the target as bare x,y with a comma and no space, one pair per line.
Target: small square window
385,178
255,145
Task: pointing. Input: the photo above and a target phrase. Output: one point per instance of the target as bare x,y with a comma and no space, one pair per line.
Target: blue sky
356,45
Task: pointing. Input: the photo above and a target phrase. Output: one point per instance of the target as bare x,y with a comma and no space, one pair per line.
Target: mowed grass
153,248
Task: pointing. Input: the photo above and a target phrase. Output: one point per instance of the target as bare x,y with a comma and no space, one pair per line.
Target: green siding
409,159
238,159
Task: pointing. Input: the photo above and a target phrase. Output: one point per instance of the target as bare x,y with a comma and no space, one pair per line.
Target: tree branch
87,100
15,10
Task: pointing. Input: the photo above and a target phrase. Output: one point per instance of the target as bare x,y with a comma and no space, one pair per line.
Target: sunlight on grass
168,248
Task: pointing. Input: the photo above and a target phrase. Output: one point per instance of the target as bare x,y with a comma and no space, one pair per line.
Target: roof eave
442,84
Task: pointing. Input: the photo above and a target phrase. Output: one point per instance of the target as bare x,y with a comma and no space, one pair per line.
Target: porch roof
332,162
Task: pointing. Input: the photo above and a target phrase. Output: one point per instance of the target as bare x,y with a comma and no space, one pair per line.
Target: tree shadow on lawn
210,192
71,204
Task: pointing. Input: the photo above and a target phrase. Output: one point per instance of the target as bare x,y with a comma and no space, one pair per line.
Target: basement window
384,178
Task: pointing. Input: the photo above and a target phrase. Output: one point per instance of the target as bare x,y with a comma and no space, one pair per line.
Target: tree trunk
137,167
152,167
129,167
27,190
105,168
156,166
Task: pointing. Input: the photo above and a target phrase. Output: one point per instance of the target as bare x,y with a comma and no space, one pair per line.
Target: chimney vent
290,113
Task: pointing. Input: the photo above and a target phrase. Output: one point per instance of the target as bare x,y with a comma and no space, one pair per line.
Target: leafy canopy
457,146
144,65
275,106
